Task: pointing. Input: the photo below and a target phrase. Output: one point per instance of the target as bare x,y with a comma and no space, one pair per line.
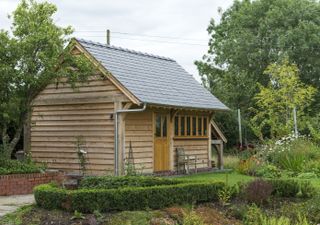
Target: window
176,126
194,126
205,126
200,126
158,126
161,126
188,126
191,126
182,126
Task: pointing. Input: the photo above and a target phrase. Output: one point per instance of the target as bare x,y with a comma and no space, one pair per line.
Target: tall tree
274,104
30,58
253,34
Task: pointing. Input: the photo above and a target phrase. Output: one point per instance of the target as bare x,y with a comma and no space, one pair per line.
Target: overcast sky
184,20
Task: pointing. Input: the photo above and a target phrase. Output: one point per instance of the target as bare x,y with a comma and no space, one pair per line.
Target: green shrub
308,175
307,190
285,187
312,167
312,209
18,167
191,218
128,198
248,166
268,171
110,182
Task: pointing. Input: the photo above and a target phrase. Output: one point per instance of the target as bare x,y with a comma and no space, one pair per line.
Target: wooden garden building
137,108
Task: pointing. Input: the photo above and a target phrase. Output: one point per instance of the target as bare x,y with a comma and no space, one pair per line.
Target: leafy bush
308,175
268,171
248,166
191,218
18,167
110,182
258,191
312,167
312,209
285,187
128,198
307,190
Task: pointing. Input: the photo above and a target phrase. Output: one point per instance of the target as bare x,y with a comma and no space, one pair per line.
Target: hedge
128,198
292,188
18,167
109,182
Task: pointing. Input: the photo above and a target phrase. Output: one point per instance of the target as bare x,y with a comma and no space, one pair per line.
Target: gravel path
10,204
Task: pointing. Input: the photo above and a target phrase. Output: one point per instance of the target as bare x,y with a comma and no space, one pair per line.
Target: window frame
202,118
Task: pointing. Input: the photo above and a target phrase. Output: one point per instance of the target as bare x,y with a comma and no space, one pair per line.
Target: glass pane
188,126
200,126
182,126
205,126
176,126
158,126
194,126
164,126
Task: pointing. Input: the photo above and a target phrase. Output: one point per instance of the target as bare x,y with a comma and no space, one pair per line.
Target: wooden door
161,143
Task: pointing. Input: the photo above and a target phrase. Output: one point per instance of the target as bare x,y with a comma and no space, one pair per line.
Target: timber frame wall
61,114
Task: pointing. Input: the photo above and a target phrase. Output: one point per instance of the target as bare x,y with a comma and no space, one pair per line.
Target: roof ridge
124,49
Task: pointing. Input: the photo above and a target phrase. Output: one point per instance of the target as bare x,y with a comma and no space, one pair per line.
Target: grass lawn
233,178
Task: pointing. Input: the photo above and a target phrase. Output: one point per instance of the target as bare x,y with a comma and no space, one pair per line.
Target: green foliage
268,171
274,103
312,207
110,182
77,216
224,195
308,175
307,190
250,36
191,218
32,55
128,198
19,167
248,166
285,187
255,216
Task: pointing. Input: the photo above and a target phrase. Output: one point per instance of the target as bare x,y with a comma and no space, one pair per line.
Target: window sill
190,137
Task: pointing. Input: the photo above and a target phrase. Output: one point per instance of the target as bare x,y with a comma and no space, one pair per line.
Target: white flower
82,151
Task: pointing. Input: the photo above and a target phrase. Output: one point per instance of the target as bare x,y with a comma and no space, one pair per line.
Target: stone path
10,204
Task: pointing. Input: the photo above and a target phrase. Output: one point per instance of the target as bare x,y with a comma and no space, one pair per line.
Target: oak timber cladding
61,114
138,131
198,147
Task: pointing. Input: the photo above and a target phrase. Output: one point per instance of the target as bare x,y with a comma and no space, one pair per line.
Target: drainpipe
116,151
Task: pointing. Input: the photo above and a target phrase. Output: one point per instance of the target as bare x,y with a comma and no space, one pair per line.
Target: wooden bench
185,160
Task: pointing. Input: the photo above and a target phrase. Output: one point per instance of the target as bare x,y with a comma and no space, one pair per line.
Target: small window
182,126
164,126
194,126
158,126
205,126
176,126
200,126
188,126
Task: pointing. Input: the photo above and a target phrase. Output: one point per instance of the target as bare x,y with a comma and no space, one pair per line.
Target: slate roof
153,79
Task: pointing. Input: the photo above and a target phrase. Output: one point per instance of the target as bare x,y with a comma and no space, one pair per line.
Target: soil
169,216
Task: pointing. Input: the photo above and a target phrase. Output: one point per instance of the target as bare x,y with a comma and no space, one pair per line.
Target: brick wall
18,184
